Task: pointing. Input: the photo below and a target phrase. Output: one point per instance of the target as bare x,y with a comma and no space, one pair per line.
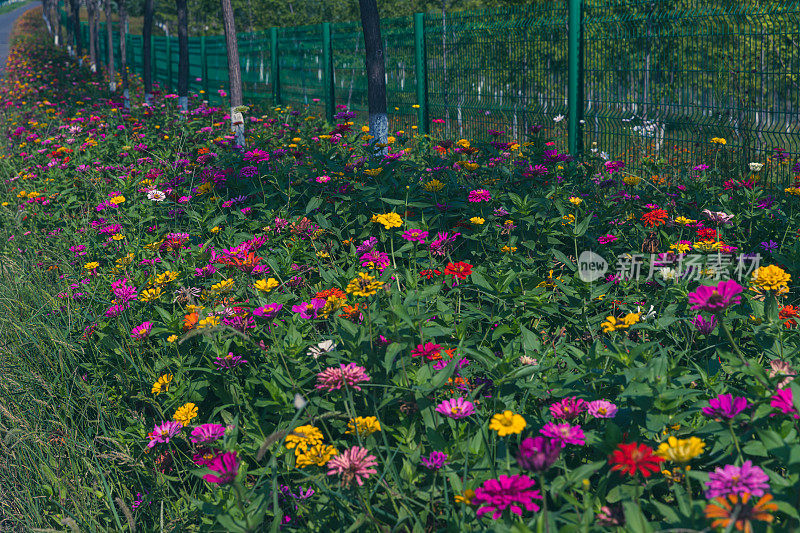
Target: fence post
575,89
275,66
169,64
327,78
421,73
204,67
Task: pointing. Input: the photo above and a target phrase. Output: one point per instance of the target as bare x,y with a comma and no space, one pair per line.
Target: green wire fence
653,77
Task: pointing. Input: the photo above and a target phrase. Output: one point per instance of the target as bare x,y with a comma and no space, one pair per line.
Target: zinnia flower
602,409
429,350
435,460
303,437
363,425
732,479
538,453
185,413
740,508
479,195
458,270
456,408
564,433
506,492
681,450
725,406
716,299
207,433
225,467
568,408
507,423
783,400
349,375
632,458
162,433
353,465
309,310
142,331
771,278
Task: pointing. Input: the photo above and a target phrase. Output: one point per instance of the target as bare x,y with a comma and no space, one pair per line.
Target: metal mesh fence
657,77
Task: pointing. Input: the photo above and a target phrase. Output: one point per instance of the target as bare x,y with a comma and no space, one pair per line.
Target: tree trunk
46,16
376,73
59,35
183,57
92,9
234,72
123,52
147,33
112,77
75,7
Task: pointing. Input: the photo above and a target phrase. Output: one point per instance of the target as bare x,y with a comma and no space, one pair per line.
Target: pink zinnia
783,400
435,460
207,433
375,259
479,195
564,433
456,408
725,406
413,235
346,375
309,310
225,467
352,465
506,492
733,479
142,331
605,239
268,311
715,299
568,408
602,409
428,350
162,433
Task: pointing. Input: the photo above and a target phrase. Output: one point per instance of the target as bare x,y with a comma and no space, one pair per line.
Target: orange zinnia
190,320
721,510
654,218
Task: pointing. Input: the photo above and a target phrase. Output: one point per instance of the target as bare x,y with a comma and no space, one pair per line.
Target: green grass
16,5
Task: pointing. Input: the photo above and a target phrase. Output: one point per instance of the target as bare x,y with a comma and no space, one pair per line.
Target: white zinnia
756,167
156,195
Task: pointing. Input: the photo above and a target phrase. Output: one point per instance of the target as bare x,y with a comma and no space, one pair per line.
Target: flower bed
460,336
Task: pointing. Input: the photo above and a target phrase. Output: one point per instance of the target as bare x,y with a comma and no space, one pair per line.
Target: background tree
123,51
112,77
75,7
183,56
234,72
376,72
91,7
147,67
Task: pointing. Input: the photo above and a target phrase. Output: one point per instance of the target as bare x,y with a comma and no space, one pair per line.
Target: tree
112,78
76,27
376,72
234,72
91,7
123,51
183,56
147,33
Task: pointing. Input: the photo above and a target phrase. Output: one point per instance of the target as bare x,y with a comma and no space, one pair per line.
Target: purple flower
705,327
456,408
207,433
435,460
225,467
164,432
715,299
732,479
605,239
142,331
602,409
367,246
538,453
506,492
568,408
725,406
310,309
564,433
268,311
769,246
415,235
229,361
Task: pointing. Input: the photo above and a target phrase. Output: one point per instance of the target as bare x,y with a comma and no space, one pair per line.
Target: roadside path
6,24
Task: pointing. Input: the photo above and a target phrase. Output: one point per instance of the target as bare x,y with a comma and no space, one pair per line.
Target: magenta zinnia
725,406
564,433
225,467
207,433
352,465
716,299
162,433
349,375
506,492
783,400
568,408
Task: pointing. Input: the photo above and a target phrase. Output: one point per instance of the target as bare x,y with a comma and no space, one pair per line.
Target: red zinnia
707,234
656,217
429,273
633,457
459,270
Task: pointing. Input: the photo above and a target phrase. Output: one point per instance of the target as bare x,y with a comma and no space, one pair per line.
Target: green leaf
635,521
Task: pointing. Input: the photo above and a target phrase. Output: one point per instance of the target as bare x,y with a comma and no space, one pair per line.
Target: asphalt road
6,23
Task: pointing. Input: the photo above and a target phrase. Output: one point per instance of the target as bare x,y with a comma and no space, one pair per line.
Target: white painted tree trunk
237,127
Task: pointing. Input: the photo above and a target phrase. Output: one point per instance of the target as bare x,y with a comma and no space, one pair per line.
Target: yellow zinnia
771,278
162,384
363,285
302,438
681,450
507,423
364,425
266,285
185,413
318,454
